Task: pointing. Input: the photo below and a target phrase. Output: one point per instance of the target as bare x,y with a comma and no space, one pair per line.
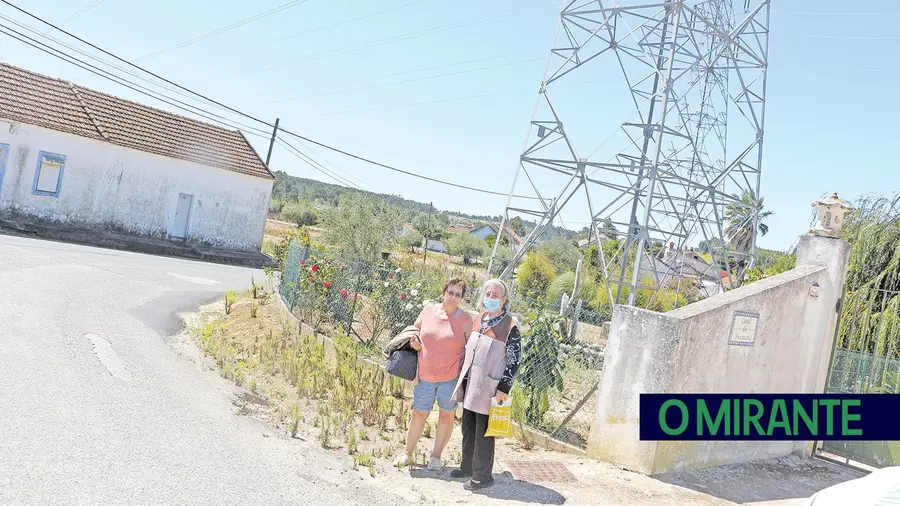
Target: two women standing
468,362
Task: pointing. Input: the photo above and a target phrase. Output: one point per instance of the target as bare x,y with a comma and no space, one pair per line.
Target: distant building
77,159
670,266
435,245
406,229
483,231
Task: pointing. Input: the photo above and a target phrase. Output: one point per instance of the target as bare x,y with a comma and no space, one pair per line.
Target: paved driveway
97,408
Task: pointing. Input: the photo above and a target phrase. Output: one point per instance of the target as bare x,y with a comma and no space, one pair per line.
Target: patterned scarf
492,322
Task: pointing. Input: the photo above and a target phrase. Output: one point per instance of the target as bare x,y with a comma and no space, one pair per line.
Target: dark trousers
477,450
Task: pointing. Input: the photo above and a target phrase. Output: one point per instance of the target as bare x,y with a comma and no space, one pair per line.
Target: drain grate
549,472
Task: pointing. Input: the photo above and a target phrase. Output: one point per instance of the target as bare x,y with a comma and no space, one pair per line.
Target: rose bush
319,292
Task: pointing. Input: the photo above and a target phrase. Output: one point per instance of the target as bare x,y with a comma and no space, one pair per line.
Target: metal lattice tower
694,85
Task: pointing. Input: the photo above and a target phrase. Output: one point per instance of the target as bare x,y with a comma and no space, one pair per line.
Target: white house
483,231
75,157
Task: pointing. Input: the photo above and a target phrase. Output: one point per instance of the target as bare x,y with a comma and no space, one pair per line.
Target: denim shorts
426,392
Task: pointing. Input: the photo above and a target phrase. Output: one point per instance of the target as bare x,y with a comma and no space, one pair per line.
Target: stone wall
688,350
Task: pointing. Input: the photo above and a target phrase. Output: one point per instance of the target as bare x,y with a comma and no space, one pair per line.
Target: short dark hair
460,282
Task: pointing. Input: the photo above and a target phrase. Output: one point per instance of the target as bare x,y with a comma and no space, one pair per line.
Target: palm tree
740,229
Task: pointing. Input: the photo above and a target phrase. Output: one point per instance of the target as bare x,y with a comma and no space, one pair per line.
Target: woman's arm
513,358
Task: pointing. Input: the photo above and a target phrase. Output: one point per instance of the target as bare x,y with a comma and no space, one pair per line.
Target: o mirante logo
800,417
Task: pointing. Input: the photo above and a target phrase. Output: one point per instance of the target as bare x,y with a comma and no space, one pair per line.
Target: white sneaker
434,464
403,460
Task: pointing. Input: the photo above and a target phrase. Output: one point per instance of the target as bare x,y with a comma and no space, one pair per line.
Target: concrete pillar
690,350
834,255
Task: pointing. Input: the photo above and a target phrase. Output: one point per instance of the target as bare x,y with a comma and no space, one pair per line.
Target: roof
512,234
35,99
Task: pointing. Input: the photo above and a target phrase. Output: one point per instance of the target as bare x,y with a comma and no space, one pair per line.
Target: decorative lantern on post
830,216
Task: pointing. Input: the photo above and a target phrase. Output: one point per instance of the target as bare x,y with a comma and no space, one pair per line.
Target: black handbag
404,363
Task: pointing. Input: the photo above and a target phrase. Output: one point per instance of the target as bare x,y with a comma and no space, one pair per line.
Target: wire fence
562,356
861,372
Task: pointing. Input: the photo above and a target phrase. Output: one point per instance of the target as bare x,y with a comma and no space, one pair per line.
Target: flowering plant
402,297
317,294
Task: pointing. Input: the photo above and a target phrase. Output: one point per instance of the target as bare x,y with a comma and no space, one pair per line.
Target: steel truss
695,72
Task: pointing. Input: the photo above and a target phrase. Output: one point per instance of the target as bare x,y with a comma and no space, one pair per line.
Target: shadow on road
505,488
773,480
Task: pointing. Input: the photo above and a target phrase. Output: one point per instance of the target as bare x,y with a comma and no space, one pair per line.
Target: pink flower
391,276
402,296
312,279
315,268
302,262
327,284
344,294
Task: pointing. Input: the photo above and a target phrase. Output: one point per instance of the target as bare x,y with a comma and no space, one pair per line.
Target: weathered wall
687,351
108,187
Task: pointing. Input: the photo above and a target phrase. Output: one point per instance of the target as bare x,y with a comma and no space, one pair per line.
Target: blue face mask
491,304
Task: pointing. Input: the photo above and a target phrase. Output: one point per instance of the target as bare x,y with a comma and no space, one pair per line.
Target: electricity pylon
693,76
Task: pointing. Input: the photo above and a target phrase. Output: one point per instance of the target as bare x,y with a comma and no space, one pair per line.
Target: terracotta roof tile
55,104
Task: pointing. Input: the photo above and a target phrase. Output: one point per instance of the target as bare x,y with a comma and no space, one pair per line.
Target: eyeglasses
458,295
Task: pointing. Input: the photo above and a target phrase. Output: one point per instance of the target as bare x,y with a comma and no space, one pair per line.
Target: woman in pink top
443,331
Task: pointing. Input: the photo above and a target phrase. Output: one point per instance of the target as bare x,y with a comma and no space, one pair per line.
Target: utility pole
427,227
272,142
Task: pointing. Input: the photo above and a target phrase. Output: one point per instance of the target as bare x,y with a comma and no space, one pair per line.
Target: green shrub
565,283
535,275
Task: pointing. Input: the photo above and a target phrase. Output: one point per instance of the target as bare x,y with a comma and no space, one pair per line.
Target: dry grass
593,334
309,390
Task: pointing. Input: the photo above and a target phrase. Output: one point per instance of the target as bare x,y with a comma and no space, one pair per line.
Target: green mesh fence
373,303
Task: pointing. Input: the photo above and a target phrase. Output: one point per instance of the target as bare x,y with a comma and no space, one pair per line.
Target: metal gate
866,359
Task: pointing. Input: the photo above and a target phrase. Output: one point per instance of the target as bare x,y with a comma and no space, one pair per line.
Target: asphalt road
97,408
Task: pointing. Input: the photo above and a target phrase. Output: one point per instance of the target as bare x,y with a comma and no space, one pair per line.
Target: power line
405,72
395,169
836,69
93,57
333,165
389,40
192,92
252,130
840,37
839,13
223,29
82,11
452,99
5,30
405,81
315,165
306,32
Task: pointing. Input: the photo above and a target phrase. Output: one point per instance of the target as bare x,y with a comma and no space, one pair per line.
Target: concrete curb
124,242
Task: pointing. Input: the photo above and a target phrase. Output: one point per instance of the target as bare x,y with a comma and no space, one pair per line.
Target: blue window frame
48,174
4,153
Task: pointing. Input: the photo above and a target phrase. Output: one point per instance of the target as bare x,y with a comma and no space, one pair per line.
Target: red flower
391,276
344,294
327,284
402,296
315,268
302,262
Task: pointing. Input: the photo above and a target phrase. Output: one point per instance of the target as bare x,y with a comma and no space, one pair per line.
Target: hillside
290,188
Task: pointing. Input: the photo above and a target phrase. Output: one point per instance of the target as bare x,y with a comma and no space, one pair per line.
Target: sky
447,89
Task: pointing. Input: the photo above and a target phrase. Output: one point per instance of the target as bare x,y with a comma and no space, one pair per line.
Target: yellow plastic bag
500,419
